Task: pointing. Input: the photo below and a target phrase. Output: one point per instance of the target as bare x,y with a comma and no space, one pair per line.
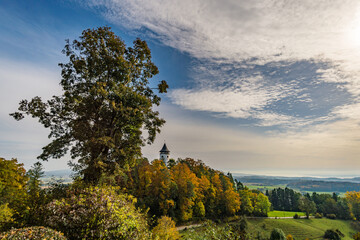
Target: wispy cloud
254,40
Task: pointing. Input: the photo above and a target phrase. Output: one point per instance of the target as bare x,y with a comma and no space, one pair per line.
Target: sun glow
353,31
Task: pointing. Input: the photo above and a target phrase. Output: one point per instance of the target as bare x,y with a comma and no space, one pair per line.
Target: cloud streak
246,37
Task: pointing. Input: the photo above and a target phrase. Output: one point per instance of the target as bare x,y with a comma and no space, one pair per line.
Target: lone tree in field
105,105
307,206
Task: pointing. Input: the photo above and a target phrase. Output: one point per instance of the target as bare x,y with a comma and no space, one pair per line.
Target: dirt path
188,226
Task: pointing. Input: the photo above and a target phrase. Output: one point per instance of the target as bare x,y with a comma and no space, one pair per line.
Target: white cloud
236,30
244,34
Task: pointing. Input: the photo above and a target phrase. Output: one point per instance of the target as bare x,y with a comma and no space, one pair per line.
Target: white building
165,154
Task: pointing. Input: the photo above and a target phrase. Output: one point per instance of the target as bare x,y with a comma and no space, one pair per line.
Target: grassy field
301,228
284,214
263,188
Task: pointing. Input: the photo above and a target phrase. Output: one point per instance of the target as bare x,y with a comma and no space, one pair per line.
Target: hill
260,228
303,184
302,228
324,186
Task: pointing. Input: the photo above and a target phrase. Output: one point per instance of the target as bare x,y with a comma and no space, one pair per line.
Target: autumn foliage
187,190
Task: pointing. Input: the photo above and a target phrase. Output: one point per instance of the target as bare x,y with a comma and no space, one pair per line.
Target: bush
333,234
5,215
97,213
165,229
296,216
289,237
277,234
34,233
356,236
331,216
318,215
210,230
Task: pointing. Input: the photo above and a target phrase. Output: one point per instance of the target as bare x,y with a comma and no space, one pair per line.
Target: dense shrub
97,213
165,229
277,234
356,236
32,233
13,196
333,234
318,215
296,216
5,215
331,216
210,230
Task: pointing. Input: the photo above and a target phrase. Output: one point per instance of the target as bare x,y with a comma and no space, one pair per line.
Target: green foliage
356,236
13,181
35,195
307,206
165,229
353,199
210,230
277,234
262,205
97,213
32,233
318,215
296,216
5,215
333,234
240,228
106,104
331,216
284,199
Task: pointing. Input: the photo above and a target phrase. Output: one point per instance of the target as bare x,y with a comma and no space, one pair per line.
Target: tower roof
164,149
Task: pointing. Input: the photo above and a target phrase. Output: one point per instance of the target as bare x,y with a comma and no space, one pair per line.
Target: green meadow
302,228
284,214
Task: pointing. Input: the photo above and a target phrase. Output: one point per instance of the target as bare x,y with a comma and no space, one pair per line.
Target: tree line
331,205
188,190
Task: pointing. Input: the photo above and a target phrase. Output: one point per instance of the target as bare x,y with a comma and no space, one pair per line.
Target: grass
301,228
284,214
263,188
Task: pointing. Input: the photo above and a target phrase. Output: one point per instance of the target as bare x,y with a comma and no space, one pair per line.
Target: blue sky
266,87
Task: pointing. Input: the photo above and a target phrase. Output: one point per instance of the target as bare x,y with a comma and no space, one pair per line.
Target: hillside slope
302,228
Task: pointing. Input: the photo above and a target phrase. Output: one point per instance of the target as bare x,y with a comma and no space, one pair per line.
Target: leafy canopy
106,103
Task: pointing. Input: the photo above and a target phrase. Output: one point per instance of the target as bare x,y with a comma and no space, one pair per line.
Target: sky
258,87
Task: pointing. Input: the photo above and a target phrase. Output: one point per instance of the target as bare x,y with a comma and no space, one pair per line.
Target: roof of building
164,149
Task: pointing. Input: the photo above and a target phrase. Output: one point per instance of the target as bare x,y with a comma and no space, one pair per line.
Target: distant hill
331,184
58,173
324,186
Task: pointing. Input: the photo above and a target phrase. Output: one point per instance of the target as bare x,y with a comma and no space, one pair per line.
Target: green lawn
284,214
263,188
301,228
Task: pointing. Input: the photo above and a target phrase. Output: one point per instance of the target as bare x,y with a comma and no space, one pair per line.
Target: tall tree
307,206
107,101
